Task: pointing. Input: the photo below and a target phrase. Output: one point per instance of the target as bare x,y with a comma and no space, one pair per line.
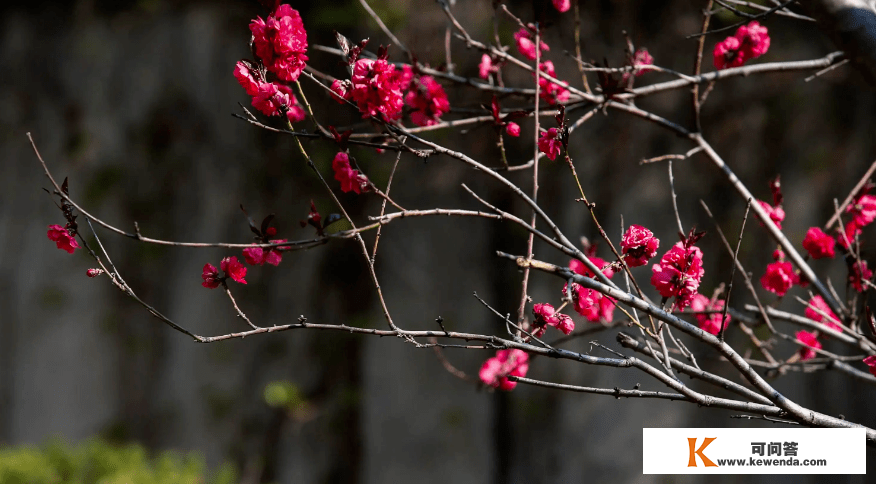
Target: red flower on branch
639,245
428,100
582,269
818,310
230,266
550,91
863,210
93,272
779,277
341,90
592,304
62,238
818,244
679,273
847,236
545,315
858,273
487,67
726,54
271,99
871,362
809,339
776,213
351,180
710,323
640,61
562,6
243,72
281,42
499,120
550,143
211,277
526,44
257,256
233,269
495,370
589,303
377,88
749,42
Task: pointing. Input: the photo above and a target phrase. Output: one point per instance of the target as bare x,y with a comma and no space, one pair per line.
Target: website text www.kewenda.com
752,462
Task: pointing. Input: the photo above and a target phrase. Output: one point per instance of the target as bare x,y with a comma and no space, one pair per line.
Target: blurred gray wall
132,101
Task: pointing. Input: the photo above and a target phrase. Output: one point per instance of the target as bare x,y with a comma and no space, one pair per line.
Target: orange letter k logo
692,462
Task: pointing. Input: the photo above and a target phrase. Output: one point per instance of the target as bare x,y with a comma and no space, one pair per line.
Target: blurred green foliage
99,462
284,394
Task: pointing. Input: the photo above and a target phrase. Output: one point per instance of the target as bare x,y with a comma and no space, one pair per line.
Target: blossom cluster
379,89
550,143
62,238
678,274
280,44
428,100
818,244
709,322
863,212
871,362
257,256
496,370
638,245
775,212
592,304
779,275
550,91
376,88
526,43
749,42
254,256
640,61
233,270
562,5
818,310
809,339
545,315
487,66
351,180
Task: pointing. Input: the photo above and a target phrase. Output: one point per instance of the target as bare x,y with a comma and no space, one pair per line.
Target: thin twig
628,341
449,366
733,271
524,297
618,393
383,206
237,308
698,62
681,231
578,48
826,70
851,196
384,28
783,12
754,17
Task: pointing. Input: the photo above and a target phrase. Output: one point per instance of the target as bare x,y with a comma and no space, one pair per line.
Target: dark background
132,101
